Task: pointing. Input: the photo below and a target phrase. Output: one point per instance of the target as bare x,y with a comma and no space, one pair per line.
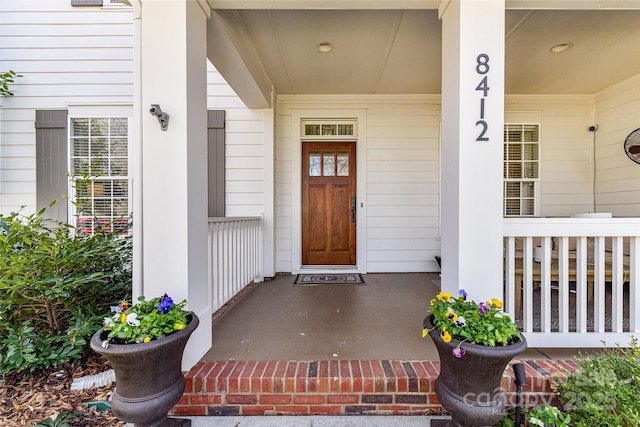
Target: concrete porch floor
381,319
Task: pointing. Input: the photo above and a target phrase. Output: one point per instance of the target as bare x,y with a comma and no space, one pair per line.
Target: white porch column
472,139
174,162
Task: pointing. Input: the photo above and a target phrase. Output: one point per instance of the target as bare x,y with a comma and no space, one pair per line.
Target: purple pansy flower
484,308
463,294
459,352
166,303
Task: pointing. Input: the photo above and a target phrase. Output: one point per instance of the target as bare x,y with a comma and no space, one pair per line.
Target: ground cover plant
605,390
55,285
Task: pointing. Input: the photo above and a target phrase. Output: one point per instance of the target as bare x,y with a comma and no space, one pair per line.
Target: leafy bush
5,79
59,421
54,286
606,389
547,415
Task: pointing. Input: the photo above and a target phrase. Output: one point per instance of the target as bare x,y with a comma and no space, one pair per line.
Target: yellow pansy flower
147,339
123,318
451,315
425,332
497,302
446,336
444,296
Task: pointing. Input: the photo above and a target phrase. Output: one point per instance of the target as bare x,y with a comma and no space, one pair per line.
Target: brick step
333,387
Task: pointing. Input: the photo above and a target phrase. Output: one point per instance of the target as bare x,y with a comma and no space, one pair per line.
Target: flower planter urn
149,378
468,387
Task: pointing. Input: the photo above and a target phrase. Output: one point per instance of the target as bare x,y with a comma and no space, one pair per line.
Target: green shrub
547,416
55,286
605,390
5,79
60,420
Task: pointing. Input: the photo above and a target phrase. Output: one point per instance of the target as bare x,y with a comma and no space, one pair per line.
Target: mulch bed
27,400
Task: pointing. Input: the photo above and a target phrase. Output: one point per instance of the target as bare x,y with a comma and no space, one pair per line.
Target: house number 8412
482,68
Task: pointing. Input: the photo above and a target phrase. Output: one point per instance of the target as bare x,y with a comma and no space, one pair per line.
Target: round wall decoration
632,145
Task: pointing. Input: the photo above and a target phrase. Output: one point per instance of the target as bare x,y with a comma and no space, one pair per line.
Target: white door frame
298,116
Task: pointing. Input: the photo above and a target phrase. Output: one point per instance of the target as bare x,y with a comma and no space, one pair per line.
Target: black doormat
329,279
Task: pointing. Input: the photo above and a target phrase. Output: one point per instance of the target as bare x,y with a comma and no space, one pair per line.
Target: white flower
132,319
105,344
115,308
461,322
108,322
536,421
499,314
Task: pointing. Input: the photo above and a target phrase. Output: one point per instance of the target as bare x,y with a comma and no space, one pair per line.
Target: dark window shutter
215,137
51,162
86,2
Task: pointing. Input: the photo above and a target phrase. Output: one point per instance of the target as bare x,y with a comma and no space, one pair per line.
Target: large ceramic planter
468,388
149,379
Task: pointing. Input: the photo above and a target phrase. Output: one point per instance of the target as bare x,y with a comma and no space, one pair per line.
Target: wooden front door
329,203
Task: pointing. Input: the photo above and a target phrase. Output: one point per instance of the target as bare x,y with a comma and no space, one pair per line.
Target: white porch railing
573,282
235,256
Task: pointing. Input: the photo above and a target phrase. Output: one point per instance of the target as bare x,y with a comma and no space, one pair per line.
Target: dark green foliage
60,420
605,391
55,285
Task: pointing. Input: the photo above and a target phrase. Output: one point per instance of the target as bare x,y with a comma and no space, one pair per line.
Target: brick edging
339,387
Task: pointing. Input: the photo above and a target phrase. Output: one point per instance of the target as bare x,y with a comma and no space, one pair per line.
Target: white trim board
297,116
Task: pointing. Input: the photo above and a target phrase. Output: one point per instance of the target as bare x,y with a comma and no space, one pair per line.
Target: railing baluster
226,255
510,294
563,283
527,277
598,284
581,284
617,283
634,284
545,284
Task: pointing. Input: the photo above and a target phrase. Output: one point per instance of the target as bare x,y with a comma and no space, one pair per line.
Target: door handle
353,209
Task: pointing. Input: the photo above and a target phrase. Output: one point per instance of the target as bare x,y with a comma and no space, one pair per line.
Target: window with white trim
99,165
521,169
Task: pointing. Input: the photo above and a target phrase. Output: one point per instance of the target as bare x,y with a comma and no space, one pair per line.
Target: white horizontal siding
566,149
244,148
402,188
617,113
66,56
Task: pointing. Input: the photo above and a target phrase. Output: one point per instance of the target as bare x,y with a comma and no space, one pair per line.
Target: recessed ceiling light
561,47
325,47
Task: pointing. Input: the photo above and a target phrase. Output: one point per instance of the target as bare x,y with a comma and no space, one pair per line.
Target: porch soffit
419,4
380,47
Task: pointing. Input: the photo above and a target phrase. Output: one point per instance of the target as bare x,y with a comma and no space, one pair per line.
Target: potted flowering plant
145,321
475,342
144,343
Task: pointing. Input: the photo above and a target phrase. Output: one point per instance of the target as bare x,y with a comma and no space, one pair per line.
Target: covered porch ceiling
394,47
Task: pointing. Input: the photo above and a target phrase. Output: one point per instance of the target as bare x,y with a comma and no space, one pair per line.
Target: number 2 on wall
482,68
